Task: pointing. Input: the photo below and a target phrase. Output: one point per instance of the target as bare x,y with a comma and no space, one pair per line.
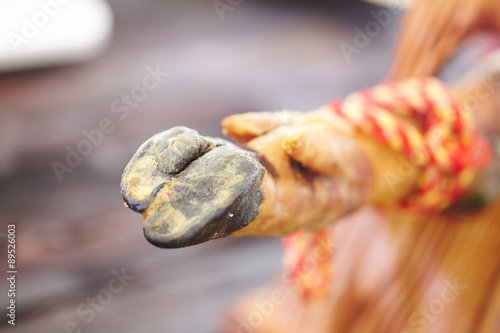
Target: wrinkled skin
318,169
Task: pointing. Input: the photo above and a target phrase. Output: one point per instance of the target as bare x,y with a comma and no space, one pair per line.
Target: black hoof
190,188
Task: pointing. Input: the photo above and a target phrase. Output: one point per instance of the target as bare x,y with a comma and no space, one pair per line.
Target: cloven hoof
190,188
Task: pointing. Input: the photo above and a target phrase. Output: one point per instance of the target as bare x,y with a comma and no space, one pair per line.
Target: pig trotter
190,188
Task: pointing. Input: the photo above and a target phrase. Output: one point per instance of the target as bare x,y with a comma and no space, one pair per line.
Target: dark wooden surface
71,235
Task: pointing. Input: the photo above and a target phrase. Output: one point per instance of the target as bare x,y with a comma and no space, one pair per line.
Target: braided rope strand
442,147
441,150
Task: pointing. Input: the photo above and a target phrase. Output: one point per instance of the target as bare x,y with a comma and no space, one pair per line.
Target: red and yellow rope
445,147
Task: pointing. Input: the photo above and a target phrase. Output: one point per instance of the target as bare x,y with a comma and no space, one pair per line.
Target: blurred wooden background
265,55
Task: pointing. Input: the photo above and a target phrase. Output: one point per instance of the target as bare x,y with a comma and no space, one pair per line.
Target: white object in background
40,33
392,3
